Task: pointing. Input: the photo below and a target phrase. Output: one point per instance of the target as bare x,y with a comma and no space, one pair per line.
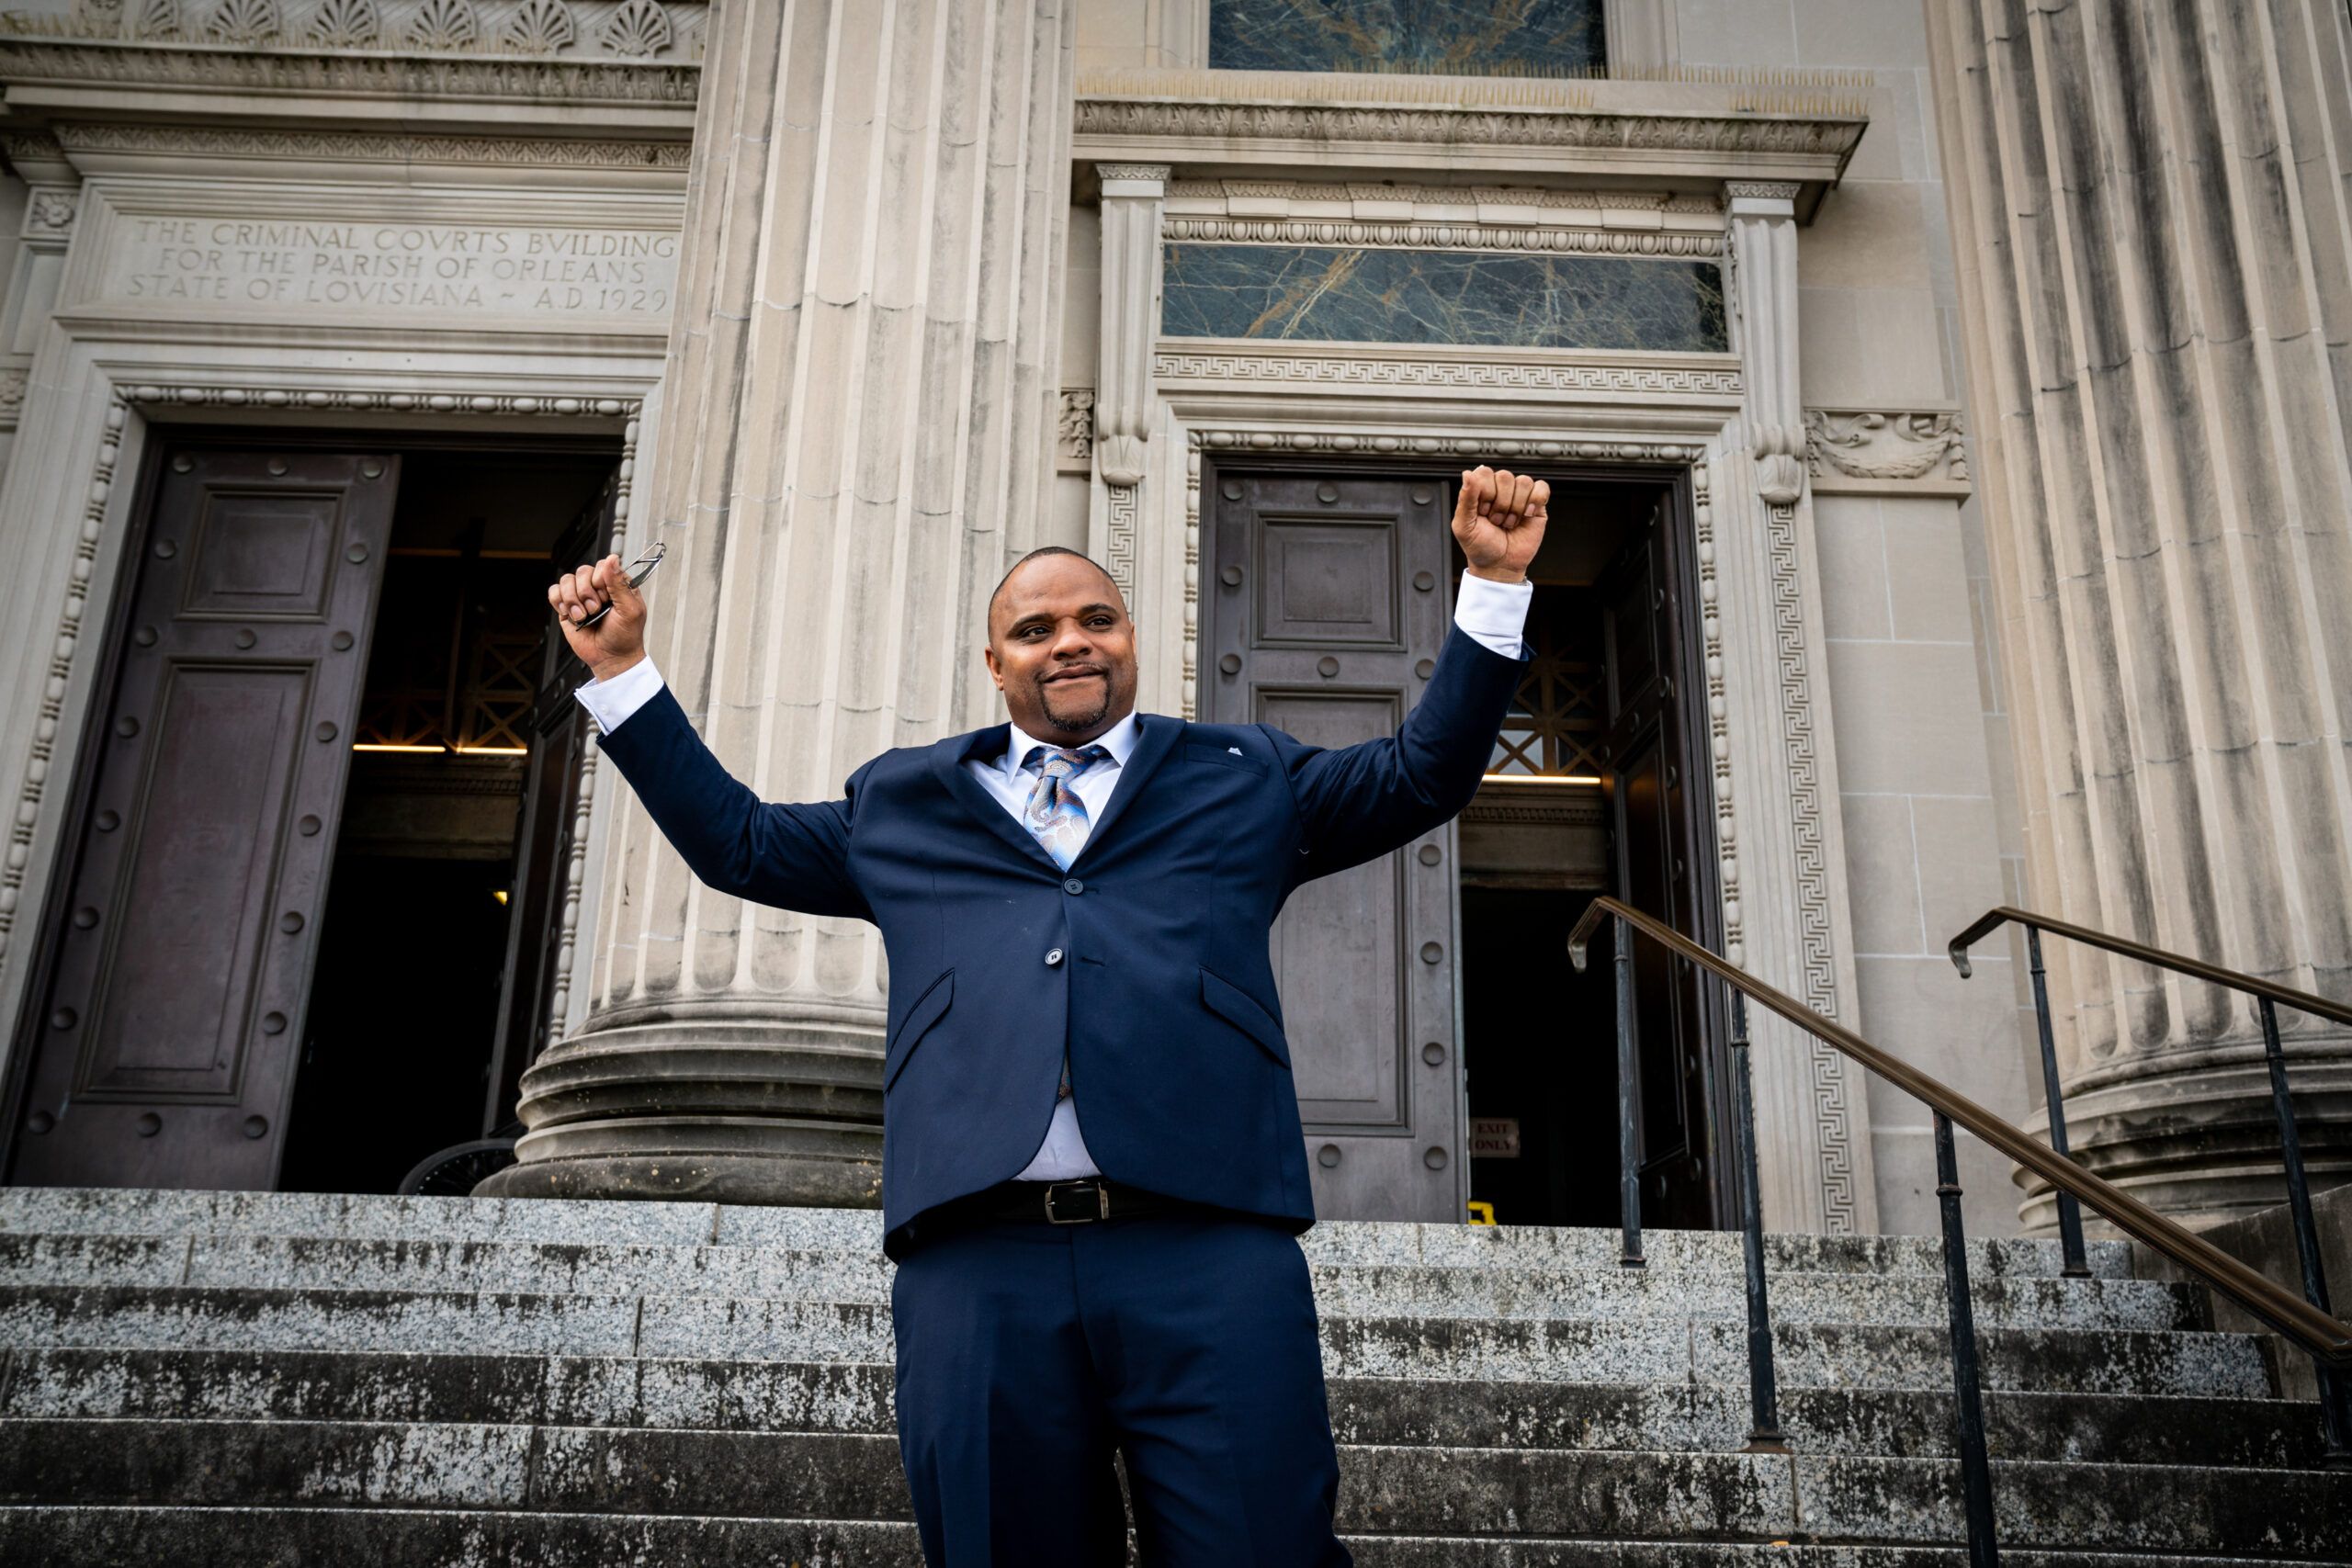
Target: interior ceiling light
1540,778
364,746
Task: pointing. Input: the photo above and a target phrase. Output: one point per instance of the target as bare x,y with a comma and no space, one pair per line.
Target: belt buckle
1077,1189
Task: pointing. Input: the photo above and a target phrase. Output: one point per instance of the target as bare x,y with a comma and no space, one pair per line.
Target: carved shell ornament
247,22
640,28
346,24
443,24
540,26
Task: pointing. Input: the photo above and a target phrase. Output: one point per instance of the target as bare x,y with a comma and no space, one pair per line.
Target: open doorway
1596,785
435,875
303,934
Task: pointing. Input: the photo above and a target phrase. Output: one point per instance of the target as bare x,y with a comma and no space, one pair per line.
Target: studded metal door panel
163,1044
1326,607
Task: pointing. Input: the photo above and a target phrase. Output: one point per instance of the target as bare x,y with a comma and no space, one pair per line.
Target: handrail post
2333,1419
1764,1435
1629,1099
1975,1469
2070,1212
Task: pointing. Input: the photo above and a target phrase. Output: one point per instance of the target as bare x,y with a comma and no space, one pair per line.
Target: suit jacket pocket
1233,1005
928,1010
1224,757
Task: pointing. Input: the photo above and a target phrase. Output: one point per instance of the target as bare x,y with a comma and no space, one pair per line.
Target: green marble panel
1446,38
1332,294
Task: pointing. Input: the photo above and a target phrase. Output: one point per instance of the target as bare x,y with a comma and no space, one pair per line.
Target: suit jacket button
1073,885
1053,956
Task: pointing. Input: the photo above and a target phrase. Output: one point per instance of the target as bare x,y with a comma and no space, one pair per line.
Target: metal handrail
2321,1334
2335,1417
2180,963
2329,1341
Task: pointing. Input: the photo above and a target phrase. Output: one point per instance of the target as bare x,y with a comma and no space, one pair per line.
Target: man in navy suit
1093,1172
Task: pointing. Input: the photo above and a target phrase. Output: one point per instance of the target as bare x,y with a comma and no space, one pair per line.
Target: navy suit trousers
1029,1353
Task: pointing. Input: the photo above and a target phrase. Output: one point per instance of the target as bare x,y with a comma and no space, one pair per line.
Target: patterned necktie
1054,814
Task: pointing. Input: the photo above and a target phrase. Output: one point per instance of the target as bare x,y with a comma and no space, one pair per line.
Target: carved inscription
381,266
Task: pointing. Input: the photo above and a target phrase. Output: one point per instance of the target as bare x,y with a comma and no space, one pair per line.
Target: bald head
1061,647
1044,552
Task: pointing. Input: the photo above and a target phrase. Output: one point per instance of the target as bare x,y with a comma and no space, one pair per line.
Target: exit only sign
1494,1138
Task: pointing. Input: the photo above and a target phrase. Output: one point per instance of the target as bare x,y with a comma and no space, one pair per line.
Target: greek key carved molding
1818,988
1229,365
1119,546
339,146
1893,452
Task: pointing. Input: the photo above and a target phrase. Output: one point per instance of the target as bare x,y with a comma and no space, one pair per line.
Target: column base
713,1106
2200,1145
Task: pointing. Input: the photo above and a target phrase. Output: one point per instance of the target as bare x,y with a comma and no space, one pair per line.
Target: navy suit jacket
1145,961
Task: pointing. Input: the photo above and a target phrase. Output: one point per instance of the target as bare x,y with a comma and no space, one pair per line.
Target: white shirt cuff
1491,613
610,703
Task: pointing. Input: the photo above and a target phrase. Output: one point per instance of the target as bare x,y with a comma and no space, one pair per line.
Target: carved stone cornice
1561,127
513,78
369,147
1568,129
347,399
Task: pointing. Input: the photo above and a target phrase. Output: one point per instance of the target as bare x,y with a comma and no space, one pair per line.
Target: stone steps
1609,1349
302,1538
780,1273
293,1379
857,1398
32,1211
1384,1489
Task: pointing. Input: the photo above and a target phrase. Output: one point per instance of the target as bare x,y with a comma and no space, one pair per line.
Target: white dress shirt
1490,613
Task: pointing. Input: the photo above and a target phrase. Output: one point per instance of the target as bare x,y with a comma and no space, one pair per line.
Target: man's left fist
1498,520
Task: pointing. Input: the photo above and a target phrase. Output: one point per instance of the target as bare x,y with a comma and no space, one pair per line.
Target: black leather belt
1077,1203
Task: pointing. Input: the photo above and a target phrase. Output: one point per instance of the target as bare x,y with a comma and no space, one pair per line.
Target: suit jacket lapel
947,760
1155,737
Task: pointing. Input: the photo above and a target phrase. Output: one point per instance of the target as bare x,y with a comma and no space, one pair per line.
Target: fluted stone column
857,435
2153,232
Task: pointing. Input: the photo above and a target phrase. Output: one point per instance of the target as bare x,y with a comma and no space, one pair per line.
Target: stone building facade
1950,518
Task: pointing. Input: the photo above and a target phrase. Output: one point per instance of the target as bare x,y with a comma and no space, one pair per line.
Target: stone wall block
868,313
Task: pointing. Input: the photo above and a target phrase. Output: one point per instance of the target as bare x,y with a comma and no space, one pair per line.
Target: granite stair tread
1638,1348
772,1273
1412,1489
50,1537
851,1396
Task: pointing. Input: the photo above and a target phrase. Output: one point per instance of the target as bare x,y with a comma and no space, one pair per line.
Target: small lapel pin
1234,749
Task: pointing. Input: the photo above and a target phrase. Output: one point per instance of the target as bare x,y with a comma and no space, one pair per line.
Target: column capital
1760,199
1147,180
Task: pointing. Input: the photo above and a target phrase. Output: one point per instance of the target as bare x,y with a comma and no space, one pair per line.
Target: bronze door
162,1041
1656,792
1326,607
